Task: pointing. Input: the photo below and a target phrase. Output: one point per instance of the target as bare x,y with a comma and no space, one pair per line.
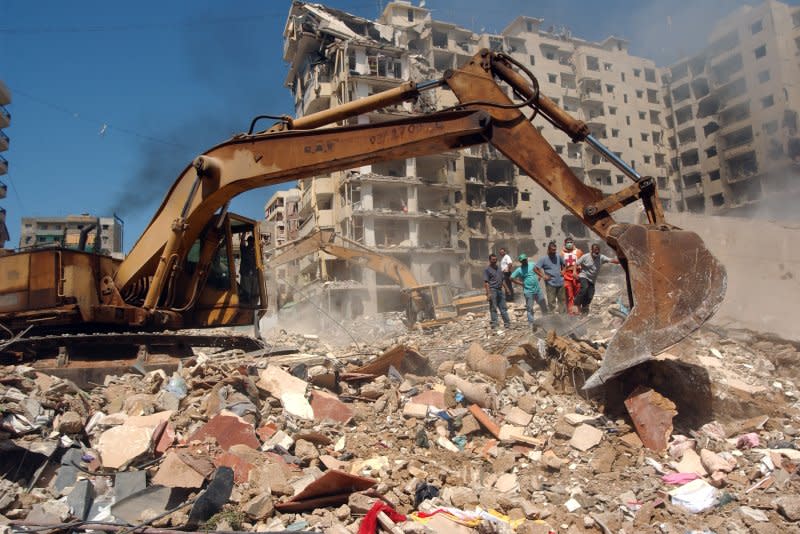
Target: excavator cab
228,255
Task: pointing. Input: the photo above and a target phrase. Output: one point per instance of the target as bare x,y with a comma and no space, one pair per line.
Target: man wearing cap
550,269
525,276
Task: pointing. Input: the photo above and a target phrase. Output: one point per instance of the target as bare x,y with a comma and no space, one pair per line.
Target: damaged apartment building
732,109
443,214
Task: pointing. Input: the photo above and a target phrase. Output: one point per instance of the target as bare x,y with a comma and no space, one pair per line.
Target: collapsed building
443,214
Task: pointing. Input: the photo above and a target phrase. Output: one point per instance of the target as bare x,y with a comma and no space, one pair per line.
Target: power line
188,24
101,125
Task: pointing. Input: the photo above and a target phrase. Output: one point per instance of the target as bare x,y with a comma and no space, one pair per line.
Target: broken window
768,101
439,39
612,110
650,75
410,15
711,152
592,63
763,76
713,175
700,87
552,78
696,204
757,26
770,127
760,52
743,166
727,42
637,72
690,157
620,179
717,200
726,70
546,205
606,66
525,196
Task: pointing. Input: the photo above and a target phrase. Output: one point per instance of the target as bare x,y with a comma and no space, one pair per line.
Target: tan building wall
443,214
733,114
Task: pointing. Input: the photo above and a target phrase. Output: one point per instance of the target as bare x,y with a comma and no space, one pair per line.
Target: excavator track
86,358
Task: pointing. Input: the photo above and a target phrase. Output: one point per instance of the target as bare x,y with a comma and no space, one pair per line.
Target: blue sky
111,100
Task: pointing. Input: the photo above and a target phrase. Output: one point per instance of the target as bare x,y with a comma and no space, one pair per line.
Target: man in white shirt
505,266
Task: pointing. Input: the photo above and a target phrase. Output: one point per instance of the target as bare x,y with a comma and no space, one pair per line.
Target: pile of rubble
462,429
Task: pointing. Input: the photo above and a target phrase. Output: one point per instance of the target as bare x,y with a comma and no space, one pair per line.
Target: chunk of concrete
128,482
585,437
120,445
652,416
413,410
174,473
328,407
518,417
228,430
213,498
80,499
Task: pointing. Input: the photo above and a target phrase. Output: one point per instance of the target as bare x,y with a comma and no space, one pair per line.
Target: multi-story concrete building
733,113
5,120
443,214
100,234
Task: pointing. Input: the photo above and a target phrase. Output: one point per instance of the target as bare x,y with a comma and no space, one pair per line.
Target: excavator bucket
676,284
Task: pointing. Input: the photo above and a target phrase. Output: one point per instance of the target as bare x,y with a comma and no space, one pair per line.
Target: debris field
455,429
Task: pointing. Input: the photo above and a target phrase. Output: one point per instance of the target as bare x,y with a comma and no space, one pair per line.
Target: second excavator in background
180,273
426,305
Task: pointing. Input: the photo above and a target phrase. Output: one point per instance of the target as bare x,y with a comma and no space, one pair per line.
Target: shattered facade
103,234
732,111
690,126
5,120
443,214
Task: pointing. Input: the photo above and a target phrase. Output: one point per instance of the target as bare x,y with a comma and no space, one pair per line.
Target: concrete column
369,231
412,202
411,167
413,232
454,233
369,280
366,196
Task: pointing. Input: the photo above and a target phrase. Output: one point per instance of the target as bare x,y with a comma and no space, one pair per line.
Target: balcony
3,165
4,141
5,117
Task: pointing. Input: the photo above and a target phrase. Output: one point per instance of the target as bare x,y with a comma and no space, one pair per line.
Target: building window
650,75
630,142
644,137
592,63
771,127
637,72
620,179
767,101
530,26
763,76
552,78
622,75
714,175
761,51
642,115
559,149
711,152
625,98
525,196
647,159
796,19
627,120
609,88
757,26
606,66
533,59
410,15
639,93
545,205
612,110
614,132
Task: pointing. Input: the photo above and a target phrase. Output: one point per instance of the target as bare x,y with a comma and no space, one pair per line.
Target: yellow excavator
427,305
180,271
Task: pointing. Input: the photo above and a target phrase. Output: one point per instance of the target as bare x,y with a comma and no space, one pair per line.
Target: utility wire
196,23
101,125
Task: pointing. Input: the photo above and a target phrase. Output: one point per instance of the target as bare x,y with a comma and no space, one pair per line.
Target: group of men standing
568,278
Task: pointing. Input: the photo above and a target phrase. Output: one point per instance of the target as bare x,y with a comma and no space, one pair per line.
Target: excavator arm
350,251
675,284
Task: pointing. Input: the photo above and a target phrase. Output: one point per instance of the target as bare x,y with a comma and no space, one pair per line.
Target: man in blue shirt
550,268
493,282
530,286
